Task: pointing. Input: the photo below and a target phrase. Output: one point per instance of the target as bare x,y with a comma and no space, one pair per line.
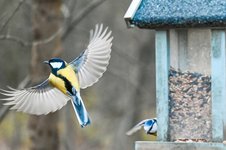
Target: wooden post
218,83
162,91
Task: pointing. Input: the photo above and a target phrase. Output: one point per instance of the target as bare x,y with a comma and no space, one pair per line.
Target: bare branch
49,39
25,43
15,39
88,9
11,16
65,11
71,8
72,5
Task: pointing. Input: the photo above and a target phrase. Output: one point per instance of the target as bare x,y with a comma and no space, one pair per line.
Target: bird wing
136,127
93,62
38,100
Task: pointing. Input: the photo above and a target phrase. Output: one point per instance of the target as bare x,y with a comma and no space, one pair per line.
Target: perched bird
65,80
149,125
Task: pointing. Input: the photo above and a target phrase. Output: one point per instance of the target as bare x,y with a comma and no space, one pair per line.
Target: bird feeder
190,70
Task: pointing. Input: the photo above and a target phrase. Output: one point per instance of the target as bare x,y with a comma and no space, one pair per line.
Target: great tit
65,80
149,125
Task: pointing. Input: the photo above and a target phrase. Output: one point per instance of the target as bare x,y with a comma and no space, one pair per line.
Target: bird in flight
149,125
66,80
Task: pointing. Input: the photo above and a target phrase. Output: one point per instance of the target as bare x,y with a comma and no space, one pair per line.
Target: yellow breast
57,82
69,74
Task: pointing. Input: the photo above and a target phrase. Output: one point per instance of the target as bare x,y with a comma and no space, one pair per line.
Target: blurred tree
47,19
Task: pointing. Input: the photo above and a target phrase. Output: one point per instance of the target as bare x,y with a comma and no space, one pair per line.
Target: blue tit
66,80
149,125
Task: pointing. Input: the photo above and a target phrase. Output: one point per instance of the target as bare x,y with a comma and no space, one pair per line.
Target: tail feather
80,110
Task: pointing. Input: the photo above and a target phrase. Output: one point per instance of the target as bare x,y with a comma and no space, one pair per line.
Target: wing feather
38,100
93,62
136,127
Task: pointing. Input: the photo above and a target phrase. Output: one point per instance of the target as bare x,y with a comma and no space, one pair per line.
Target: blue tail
80,110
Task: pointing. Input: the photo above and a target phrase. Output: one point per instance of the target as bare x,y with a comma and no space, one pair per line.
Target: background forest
36,30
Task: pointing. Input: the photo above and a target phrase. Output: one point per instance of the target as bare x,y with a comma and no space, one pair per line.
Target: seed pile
190,105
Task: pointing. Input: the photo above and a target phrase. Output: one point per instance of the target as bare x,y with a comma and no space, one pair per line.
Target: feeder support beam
162,91
218,87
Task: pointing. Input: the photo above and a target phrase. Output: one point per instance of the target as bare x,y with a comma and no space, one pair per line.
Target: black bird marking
149,131
67,84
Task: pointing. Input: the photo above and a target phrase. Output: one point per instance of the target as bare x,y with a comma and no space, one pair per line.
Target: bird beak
46,62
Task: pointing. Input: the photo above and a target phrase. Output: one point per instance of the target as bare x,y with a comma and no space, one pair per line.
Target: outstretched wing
93,62
38,100
136,127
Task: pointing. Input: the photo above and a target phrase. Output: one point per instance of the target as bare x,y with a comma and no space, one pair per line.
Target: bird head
150,126
56,64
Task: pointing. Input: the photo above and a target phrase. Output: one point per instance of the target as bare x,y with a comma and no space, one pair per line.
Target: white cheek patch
56,64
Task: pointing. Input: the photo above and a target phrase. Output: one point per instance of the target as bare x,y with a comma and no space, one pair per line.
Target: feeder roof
176,13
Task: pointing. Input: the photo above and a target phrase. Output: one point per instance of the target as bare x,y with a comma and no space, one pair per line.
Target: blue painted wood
218,87
162,91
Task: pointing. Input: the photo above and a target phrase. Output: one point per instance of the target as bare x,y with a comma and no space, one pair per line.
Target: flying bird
66,80
149,125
